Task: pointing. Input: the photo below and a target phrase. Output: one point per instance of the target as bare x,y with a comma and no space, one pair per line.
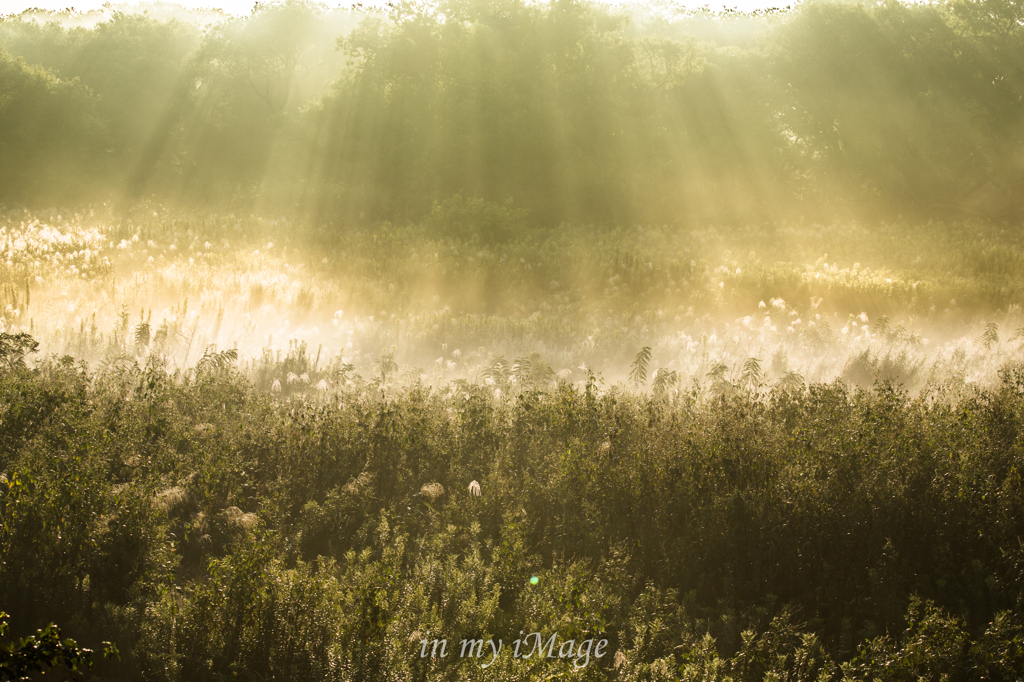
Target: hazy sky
245,6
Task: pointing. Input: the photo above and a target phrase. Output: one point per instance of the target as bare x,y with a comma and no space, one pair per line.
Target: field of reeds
251,448
931,307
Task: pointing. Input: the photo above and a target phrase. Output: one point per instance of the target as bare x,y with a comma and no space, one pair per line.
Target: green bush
214,531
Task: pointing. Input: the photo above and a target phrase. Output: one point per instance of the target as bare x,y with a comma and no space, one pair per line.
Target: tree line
572,110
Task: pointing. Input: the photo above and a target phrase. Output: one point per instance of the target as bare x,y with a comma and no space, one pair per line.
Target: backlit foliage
699,333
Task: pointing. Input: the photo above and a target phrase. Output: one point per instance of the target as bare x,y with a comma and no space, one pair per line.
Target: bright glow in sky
14,6
239,7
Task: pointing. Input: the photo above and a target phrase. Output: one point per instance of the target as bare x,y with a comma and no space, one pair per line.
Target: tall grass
892,302
213,529
243,448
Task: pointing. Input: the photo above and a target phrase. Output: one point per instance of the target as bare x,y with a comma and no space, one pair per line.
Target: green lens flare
534,580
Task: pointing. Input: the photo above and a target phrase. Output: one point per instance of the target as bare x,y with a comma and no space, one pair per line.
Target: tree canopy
573,110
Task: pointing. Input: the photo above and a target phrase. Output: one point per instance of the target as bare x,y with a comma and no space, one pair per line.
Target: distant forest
571,110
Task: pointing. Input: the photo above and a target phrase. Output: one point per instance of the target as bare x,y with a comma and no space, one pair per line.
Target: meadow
931,307
690,340
776,452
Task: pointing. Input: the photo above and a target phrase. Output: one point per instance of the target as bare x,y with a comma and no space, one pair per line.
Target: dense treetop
573,110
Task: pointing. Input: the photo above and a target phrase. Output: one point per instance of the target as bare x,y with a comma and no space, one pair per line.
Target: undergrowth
213,529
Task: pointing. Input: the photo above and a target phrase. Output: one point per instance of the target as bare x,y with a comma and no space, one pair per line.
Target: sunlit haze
244,7
510,340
